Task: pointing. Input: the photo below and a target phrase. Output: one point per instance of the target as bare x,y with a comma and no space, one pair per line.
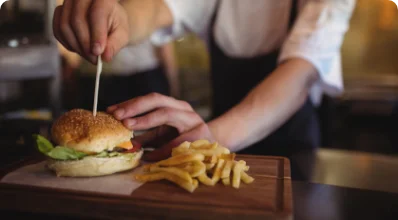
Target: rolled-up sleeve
188,16
317,37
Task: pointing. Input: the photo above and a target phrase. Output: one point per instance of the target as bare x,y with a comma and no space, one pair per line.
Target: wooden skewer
99,70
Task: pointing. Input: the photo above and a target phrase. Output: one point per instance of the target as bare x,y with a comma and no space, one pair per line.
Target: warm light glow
396,2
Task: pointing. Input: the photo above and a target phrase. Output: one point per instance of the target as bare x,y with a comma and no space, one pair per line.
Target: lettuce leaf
102,154
65,153
109,154
58,152
43,144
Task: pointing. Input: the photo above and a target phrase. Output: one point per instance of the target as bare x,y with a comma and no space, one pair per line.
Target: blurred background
39,80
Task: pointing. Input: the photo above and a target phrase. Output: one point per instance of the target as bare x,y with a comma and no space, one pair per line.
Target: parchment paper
39,175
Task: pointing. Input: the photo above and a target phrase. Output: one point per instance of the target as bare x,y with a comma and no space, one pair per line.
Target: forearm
267,106
145,17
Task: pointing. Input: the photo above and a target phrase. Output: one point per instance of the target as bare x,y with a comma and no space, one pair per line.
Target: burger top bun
80,130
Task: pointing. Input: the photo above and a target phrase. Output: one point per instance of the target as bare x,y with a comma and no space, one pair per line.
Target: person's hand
174,122
92,27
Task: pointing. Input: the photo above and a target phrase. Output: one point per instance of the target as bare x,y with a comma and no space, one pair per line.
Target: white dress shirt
248,28
134,59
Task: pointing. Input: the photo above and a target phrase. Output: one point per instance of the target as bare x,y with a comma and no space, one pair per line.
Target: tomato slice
136,147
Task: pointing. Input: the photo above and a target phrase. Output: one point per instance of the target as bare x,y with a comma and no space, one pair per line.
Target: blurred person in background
271,62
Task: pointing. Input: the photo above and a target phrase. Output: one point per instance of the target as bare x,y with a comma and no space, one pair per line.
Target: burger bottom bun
94,166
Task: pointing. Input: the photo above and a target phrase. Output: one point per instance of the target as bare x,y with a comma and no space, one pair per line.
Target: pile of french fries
199,161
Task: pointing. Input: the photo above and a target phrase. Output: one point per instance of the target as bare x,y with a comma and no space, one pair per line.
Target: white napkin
39,175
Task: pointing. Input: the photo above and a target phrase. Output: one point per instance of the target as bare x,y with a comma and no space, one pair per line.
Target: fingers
85,26
71,28
111,109
80,27
200,132
118,109
66,29
98,18
145,104
57,28
179,119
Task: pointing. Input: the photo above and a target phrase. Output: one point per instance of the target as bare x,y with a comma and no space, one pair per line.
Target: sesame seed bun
93,166
80,130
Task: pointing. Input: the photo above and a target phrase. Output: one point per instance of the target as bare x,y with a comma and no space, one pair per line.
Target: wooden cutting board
268,197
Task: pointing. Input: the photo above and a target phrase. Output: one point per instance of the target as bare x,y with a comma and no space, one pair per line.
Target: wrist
224,135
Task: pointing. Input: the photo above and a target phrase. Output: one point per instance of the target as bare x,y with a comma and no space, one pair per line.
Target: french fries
210,166
211,159
180,149
227,169
217,172
228,156
203,178
181,158
199,143
195,168
190,187
237,170
173,170
246,178
198,162
226,181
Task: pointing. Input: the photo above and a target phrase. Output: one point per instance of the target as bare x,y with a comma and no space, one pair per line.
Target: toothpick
99,70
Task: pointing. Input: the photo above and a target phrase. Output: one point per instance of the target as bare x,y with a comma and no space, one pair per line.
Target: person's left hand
174,122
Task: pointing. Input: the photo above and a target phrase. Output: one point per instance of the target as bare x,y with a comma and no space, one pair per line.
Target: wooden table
356,169
326,202
311,201
268,197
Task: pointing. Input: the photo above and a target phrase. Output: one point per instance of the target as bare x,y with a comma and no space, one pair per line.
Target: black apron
233,78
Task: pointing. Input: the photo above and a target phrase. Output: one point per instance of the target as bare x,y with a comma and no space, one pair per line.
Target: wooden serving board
268,197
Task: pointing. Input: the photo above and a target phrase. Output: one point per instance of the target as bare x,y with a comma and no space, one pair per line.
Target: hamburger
87,146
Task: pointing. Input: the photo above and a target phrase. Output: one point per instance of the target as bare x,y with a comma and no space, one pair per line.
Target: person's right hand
92,27
169,121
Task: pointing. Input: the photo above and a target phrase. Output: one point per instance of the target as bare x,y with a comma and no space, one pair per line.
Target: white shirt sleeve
317,37
189,16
